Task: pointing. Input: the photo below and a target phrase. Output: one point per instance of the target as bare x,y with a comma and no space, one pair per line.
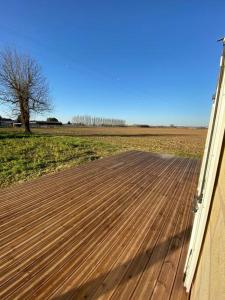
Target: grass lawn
23,157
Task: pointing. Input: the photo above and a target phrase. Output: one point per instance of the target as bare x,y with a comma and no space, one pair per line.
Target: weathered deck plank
115,228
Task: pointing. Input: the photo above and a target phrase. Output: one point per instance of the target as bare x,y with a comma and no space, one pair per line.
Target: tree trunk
27,126
25,115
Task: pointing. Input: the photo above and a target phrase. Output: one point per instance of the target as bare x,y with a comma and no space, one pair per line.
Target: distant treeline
97,121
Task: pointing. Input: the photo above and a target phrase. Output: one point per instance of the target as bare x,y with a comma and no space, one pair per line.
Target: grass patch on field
28,156
185,146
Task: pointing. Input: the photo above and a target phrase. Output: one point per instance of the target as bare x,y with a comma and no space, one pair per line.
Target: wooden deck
117,228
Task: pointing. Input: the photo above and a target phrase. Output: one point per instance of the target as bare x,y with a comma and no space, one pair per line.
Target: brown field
47,150
119,131
187,142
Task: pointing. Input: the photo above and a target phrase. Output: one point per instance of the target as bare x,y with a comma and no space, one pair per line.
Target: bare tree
22,85
96,121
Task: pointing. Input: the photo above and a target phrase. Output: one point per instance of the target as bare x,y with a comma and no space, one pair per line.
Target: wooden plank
169,267
143,230
179,292
47,245
81,232
93,231
146,280
133,265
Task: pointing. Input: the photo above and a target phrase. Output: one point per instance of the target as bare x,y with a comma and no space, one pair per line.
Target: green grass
23,157
28,156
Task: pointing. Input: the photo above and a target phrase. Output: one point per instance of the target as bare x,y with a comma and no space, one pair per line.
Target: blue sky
152,62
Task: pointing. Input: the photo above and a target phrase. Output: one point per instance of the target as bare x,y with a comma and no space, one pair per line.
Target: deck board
117,228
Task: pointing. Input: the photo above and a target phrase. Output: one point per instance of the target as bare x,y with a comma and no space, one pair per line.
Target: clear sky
152,62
